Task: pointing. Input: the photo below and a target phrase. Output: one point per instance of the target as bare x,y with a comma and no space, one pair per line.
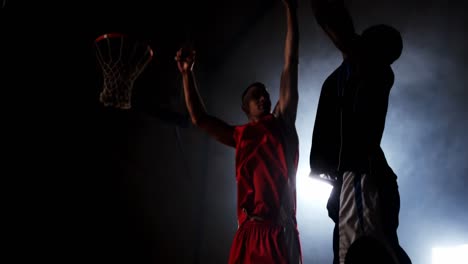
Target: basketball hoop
122,60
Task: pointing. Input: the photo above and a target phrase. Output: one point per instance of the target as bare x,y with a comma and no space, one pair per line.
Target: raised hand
185,58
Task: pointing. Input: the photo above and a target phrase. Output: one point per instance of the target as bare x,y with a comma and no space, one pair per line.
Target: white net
122,60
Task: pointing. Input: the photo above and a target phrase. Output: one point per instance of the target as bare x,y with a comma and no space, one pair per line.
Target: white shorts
360,213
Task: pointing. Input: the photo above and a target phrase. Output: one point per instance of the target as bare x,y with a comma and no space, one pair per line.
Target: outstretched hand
185,58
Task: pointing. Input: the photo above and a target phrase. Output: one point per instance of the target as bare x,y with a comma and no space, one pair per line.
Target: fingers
185,59
178,55
185,55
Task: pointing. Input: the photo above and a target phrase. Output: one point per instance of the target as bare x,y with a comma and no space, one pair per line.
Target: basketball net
122,60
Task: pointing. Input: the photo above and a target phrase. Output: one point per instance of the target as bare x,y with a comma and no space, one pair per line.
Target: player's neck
256,119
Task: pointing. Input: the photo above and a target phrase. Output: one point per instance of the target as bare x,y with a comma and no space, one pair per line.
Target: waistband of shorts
268,220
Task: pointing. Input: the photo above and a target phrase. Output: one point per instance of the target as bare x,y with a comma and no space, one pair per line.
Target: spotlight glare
450,255
312,190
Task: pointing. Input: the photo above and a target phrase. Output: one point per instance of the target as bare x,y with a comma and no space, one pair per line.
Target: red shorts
258,242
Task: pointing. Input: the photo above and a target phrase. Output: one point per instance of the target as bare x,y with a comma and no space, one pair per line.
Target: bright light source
312,190
450,255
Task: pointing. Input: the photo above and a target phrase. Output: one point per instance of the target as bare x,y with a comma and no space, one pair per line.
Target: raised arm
335,20
215,127
289,95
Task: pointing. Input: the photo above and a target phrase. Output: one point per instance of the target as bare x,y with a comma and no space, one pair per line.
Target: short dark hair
383,42
255,84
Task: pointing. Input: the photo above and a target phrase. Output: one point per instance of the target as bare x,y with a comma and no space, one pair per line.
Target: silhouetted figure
348,130
267,153
366,250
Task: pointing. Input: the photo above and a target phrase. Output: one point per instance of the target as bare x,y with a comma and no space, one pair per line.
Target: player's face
257,102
